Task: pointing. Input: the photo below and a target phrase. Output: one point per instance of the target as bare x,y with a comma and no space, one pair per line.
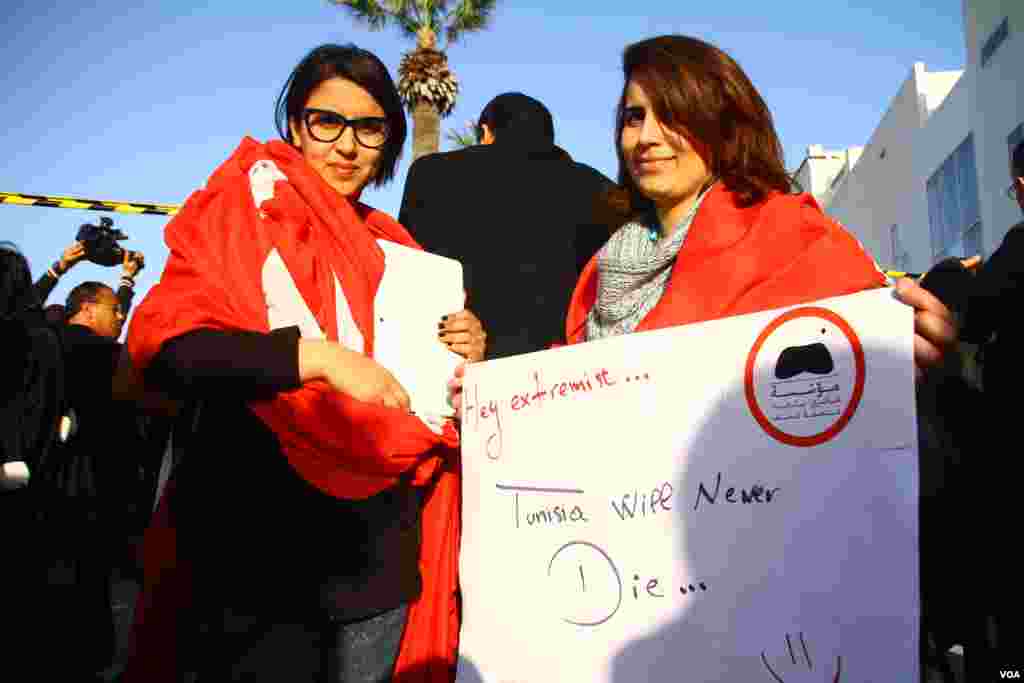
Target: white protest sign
728,501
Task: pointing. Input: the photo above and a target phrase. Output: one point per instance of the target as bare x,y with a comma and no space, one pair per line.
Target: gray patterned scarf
633,270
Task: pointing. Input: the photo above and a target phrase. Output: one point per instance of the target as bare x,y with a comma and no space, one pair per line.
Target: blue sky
141,103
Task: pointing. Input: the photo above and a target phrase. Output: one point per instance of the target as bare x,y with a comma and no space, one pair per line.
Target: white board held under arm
416,290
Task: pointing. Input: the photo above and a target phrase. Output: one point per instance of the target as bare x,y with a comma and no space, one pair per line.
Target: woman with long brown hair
710,227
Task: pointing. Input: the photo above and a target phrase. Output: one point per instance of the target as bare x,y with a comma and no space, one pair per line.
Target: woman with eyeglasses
318,517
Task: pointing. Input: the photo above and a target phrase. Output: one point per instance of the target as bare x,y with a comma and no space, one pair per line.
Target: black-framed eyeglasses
327,126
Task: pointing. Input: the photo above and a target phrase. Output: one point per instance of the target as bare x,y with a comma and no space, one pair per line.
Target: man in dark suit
521,216
993,320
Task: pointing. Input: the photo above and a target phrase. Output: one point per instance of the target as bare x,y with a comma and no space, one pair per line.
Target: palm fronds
423,75
467,17
377,14
369,12
462,137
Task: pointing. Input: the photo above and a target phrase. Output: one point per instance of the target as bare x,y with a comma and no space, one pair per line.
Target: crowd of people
80,450
306,524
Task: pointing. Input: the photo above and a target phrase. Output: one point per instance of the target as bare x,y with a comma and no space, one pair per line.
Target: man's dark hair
82,294
515,117
16,292
362,68
1018,160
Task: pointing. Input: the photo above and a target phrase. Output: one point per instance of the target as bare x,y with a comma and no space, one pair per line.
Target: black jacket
522,220
993,305
100,455
259,534
31,389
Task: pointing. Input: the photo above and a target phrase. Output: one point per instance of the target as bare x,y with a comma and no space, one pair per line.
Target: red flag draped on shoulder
779,252
219,243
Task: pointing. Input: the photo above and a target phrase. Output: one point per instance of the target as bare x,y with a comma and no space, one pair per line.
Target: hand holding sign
677,499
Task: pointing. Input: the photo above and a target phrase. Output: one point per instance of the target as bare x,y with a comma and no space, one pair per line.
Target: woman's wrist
311,359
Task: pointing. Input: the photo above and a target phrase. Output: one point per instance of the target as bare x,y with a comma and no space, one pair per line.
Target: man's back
104,445
523,222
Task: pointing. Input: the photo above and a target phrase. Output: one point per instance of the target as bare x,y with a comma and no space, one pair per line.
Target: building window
997,38
954,213
900,255
838,179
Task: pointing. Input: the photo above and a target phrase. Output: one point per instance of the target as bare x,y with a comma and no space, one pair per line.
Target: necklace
653,234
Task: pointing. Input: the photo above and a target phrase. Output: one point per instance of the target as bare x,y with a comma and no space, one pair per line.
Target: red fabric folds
780,252
219,243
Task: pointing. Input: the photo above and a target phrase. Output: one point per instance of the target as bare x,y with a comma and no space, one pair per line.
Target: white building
931,182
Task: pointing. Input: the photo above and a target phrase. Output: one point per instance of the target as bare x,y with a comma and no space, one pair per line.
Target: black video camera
101,242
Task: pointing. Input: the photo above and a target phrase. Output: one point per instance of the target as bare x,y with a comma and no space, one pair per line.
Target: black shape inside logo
813,358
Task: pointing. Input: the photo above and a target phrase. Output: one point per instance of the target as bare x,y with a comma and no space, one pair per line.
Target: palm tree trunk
426,121
426,129
426,39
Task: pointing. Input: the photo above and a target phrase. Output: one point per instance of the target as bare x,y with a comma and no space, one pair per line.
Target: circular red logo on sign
804,376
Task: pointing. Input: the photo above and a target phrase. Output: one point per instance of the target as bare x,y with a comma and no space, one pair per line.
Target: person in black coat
521,216
31,404
993,320
997,292
31,376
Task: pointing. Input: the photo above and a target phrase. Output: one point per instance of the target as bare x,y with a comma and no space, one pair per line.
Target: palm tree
426,84
464,137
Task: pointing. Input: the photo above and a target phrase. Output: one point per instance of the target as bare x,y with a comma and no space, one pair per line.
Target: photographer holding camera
97,244
96,487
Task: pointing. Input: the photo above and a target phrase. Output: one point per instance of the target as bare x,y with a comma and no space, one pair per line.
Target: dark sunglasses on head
327,126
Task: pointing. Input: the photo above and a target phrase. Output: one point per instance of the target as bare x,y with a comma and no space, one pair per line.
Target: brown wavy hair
702,93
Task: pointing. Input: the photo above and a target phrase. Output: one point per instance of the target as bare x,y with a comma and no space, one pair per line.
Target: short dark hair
1017,160
17,294
517,116
701,92
362,68
82,294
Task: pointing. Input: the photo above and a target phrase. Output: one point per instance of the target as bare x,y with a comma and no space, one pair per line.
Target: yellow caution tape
58,202
166,210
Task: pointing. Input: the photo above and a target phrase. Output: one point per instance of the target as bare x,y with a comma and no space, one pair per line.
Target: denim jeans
257,649
365,651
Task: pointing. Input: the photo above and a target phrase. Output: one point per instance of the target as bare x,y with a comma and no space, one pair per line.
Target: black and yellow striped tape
88,204
166,210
